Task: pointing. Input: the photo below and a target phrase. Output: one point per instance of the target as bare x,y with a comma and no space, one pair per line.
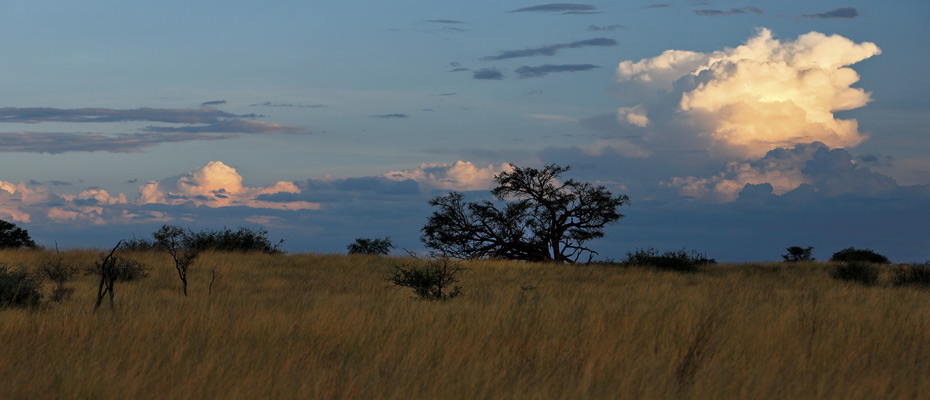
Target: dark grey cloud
388,116
443,21
213,103
97,115
732,11
488,73
52,182
270,104
551,50
875,160
233,126
543,70
842,12
460,69
56,143
564,8
606,27
658,5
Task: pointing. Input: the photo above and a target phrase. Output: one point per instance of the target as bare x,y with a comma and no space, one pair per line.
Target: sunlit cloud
461,175
759,96
218,185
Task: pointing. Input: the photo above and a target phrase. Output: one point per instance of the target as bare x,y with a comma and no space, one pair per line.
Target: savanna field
317,326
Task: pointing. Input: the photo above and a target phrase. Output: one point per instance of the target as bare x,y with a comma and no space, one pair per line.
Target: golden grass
329,326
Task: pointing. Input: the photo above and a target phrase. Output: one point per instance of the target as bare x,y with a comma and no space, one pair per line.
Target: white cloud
218,185
633,116
762,95
461,175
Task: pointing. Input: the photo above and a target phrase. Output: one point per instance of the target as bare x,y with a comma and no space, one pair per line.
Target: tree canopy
12,236
544,219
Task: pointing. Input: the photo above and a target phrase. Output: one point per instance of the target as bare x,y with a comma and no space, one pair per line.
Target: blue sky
736,128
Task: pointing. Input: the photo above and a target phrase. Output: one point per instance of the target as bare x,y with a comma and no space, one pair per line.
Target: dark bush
798,254
865,273
12,236
19,288
60,273
859,255
139,244
430,281
680,260
914,274
374,247
243,240
122,269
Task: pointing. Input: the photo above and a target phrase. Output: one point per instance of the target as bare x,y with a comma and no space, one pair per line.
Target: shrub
680,260
915,274
797,254
430,280
865,273
243,240
18,288
59,273
377,247
859,255
122,269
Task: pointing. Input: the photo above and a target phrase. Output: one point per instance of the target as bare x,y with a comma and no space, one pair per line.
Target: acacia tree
544,220
12,236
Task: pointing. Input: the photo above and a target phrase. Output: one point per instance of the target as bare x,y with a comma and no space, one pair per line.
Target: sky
737,128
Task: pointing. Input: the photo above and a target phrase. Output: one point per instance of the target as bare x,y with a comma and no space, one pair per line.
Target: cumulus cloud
461,175
842,12
15,198
633,116
218,185
762,95
564,8
551,49
814,166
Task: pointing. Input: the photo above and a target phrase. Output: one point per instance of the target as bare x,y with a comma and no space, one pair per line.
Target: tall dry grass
329,326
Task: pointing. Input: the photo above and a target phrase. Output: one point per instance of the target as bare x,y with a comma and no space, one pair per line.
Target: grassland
315,326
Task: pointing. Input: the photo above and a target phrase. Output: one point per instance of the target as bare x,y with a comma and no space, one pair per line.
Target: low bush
19,288
430,281
865,273
914,274
679,260
853,254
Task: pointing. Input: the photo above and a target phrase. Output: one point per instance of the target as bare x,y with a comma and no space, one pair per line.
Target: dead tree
107,270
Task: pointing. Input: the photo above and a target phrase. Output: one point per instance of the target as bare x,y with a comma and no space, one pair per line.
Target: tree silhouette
544,220
12,236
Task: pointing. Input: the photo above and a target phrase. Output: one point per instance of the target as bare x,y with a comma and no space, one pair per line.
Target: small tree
106,268
375,247
12,236
545,220
176,241
798,254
